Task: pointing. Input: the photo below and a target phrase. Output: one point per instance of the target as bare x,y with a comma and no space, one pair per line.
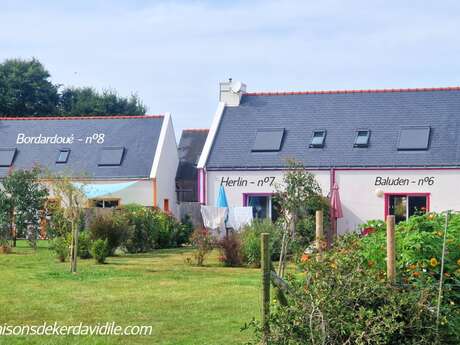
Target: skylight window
7,156
362,138
319,136
111,156
414,138
63,156
268,140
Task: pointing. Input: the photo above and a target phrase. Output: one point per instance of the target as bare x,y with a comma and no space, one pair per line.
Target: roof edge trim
211,136
321,92
43,118
160,145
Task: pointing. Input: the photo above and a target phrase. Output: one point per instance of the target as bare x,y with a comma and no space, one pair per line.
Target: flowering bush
203,242
419,243
339,299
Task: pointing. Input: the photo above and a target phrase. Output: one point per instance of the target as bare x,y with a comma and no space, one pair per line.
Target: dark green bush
84,245
153,228
339,300
100,250
60,246
250,241
111,227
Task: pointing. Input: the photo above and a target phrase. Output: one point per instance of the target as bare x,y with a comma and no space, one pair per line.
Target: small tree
296,195
6,212
27,198
73,200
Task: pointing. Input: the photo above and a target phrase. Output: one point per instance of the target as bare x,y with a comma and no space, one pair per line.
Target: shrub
144,228
84,245
230,249
59,225
250,241
153,228
203,242
113,228
418,252
60,246
100,250
339,299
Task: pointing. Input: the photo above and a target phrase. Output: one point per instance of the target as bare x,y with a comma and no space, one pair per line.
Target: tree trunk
74,248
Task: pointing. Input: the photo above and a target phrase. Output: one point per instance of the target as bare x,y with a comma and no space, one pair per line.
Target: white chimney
231,92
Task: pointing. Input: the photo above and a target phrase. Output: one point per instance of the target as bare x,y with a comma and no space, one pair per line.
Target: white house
121,159
390,151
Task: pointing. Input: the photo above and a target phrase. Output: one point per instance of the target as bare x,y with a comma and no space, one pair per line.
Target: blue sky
174,53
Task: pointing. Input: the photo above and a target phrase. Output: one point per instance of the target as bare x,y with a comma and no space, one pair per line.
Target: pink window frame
387,200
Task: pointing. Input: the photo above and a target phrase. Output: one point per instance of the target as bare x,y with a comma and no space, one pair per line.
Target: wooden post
391,256
265,265
319,231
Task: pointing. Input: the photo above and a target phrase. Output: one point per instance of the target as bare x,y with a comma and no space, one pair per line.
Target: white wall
252,185
167,168
357,188
358,192
140,192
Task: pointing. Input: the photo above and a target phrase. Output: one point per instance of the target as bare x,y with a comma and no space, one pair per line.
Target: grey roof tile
139,136
341,114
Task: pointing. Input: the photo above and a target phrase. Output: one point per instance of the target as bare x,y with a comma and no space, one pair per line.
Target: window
263,206
63,156
403,206
166,205
318,139
414,138
105,203
111,156
268,140
7,156
362,138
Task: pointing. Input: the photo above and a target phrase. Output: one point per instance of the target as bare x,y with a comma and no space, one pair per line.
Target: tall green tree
25,89
27,198
87,101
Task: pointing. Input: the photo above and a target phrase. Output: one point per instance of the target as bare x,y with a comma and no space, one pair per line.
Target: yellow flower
333,265
433,262
458,262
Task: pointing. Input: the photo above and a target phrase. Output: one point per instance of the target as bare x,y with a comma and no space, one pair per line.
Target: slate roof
137,134
341,113
190,146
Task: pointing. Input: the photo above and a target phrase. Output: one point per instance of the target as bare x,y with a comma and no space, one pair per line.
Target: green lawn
184,304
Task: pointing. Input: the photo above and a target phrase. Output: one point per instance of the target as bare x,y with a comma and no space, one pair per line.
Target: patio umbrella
223,203
336,208
336,205
222,198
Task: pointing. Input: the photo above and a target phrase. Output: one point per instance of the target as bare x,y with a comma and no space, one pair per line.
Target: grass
184,304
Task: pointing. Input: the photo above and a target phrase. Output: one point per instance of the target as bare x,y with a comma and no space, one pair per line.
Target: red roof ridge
290,93
85,117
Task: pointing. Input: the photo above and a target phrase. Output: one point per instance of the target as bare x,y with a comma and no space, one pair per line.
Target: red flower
367,231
